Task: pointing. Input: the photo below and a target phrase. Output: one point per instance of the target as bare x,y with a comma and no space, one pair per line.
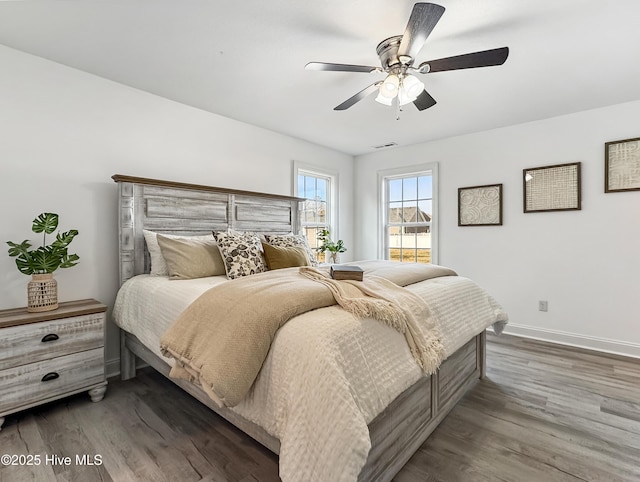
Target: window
318,209
408,208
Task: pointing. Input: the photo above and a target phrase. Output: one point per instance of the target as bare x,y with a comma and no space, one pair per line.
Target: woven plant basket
42,293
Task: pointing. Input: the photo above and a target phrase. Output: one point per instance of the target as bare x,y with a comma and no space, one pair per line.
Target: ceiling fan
397,56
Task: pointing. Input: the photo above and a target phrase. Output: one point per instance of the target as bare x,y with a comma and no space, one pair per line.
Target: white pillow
158,264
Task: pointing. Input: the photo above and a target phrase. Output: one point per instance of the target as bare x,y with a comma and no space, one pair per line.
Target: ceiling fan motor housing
388,52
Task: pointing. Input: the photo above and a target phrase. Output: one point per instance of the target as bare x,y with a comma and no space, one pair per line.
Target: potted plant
40,263
334,249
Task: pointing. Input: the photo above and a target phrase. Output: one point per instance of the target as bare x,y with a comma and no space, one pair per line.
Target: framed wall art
622,165
480,205
552,188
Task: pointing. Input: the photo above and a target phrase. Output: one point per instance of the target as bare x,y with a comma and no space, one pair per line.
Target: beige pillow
158,265
288,240
191,258
279,257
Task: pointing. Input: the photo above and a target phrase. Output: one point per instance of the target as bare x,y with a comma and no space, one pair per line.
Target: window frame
399,173
300,168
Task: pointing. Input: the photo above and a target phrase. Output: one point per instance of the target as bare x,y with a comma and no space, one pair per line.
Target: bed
398,427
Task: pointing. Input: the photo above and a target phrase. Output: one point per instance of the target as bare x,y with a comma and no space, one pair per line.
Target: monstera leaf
63,240
69,260
45,222
46,258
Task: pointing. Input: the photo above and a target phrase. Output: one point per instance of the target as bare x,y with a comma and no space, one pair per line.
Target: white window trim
382,200
312,170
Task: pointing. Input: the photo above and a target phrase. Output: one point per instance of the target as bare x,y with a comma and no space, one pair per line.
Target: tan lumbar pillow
279,257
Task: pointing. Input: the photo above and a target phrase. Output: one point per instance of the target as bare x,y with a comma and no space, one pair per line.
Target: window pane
395,189
409,188
409,255
409,238
306,211
409,210
424,187
321,209
321,192
394,215
423,238
426,210
424,256
310,233
309,188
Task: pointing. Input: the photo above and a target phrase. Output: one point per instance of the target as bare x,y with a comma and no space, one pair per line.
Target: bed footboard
399,431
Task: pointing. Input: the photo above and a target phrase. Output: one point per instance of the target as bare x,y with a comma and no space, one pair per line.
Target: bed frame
178,208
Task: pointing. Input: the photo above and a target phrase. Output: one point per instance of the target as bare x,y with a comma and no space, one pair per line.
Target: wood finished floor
545,413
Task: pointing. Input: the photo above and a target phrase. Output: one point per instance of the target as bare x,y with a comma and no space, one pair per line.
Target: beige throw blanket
382,300
222,339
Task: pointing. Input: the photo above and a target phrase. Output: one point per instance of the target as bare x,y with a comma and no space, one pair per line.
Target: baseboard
582,341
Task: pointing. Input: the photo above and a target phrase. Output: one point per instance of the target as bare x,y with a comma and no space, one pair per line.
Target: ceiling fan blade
486,58
424,101
423,20
339,67
358,97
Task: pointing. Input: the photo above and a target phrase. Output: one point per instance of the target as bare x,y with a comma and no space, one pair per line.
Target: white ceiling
245,59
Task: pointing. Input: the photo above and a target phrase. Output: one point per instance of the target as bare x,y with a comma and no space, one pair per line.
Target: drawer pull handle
50,376
49,337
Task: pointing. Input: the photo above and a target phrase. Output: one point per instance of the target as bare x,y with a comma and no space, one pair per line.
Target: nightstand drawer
23,385
34,342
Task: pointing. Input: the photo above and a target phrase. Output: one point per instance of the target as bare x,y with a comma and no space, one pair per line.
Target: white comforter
328,374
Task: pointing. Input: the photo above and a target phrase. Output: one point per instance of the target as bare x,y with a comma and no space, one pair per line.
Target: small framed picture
552,188
622,165
480,205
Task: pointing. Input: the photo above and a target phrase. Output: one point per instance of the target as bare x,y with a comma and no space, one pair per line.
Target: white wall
65,133
585,263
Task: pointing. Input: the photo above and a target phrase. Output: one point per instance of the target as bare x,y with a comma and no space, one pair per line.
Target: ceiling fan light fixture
412,86
403,98
410,89
384,100
390,86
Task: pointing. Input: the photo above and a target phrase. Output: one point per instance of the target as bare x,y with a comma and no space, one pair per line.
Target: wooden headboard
191,209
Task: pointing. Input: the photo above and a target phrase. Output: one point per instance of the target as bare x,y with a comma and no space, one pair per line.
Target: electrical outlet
543,305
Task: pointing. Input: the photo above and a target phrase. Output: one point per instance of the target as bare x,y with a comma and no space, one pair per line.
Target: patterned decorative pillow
241,253
292,240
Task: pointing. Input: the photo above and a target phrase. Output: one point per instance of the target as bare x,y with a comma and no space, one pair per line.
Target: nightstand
51,355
